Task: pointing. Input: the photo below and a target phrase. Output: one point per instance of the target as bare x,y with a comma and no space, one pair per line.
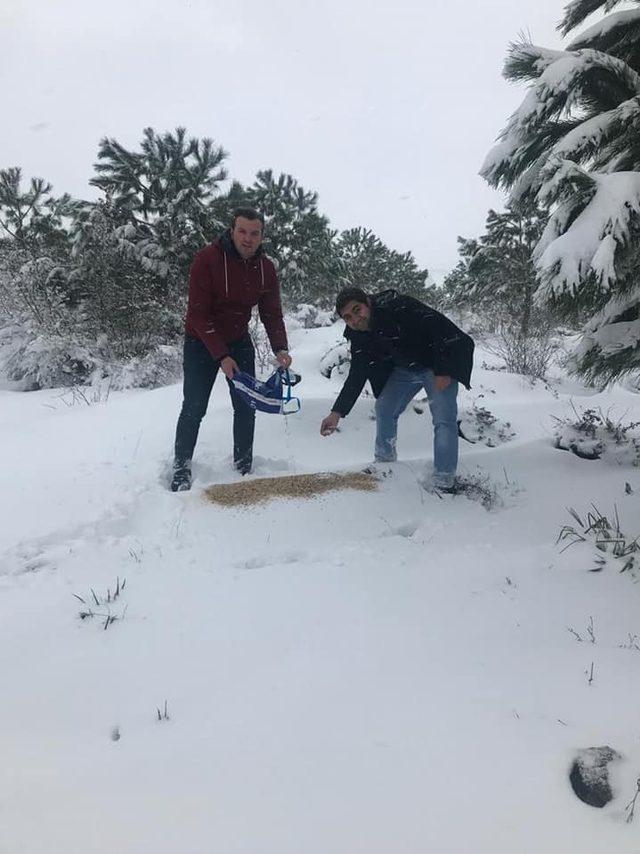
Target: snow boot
379,469
243,465
181,480
454,488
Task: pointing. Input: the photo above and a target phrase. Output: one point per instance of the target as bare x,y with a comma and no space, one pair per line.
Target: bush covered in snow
160,366
529,354
39,361
337,358
593,434
480,487
476,423
479,424
310,316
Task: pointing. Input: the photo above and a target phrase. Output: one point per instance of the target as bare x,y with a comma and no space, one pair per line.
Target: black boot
181,480
243,466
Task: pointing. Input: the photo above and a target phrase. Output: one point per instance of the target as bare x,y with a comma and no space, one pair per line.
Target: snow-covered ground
355,674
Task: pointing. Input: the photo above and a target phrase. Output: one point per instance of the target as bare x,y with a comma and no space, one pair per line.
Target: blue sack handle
290,404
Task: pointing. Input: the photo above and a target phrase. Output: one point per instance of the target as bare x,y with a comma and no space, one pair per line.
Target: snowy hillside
361,673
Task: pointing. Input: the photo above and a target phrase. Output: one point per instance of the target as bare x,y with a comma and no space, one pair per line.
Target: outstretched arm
353,385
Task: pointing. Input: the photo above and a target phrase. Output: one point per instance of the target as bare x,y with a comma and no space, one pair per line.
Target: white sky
385,109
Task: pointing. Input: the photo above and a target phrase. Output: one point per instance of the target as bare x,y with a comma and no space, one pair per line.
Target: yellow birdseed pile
248,492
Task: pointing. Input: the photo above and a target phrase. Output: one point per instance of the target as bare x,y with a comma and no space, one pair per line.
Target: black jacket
404,332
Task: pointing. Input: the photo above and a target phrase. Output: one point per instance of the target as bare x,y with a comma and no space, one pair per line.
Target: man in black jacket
402,345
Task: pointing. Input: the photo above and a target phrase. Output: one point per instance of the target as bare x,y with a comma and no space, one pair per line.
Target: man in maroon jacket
228,278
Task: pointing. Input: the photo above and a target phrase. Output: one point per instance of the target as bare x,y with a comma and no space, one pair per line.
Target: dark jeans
200,370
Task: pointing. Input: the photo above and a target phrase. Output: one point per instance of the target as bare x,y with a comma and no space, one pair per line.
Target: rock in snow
589,775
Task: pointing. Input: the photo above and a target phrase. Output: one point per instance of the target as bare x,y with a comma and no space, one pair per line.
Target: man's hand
283,358
442,382
330,424
229,367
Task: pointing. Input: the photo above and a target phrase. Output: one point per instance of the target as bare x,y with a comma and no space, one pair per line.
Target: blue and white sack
272,395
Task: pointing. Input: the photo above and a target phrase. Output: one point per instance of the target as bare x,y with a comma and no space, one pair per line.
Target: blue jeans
399,390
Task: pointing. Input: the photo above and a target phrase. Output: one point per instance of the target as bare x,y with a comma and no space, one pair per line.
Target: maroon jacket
223,288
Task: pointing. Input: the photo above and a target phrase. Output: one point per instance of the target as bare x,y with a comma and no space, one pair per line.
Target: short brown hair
246,213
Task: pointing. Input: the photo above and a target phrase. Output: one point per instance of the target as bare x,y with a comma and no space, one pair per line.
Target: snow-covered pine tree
574,145
35,246
457,291
368,264
502,277
125,308
165,196
34,218
496,279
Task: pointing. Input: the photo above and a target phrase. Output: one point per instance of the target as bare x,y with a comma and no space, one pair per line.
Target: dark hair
247,213
347,295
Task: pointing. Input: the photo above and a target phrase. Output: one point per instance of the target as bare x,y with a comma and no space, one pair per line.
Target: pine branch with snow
574,145
166,192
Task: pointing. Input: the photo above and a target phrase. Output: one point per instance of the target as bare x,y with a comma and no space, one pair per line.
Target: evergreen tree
457,290
165,195
34,218
35,246
121,305
501,268
496,278
574,145
368,264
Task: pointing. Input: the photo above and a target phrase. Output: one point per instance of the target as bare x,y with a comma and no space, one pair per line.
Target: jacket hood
383,299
